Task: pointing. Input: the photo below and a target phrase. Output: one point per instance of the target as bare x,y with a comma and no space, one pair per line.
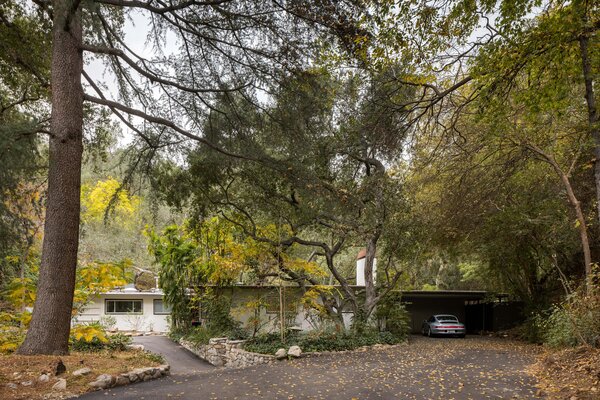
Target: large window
123,307
161,308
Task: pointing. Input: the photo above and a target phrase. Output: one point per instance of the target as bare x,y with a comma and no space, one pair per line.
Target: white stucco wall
146,321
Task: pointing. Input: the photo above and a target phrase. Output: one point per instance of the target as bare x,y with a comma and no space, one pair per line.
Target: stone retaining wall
222,352
106,381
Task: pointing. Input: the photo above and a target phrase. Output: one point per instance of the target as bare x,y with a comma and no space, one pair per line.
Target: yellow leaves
88,333
97,199
20,292
97,277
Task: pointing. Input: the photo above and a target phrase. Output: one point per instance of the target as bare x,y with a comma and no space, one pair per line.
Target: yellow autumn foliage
88,333
97,199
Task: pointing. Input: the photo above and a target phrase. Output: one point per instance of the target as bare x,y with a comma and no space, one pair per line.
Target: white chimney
360,268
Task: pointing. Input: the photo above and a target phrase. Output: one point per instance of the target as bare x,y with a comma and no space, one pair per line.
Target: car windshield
447,318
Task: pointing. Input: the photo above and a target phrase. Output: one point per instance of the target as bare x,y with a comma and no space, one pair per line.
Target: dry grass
570,374
18,369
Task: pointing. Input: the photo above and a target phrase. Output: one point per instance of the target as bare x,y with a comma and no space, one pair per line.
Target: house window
123,307
160,308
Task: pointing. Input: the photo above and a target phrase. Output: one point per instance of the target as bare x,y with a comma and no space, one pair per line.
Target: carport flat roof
463,294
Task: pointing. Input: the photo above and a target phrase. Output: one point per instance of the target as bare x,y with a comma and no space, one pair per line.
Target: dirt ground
572,374
24,372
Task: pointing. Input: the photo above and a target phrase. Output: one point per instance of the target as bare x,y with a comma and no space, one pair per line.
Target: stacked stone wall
222,352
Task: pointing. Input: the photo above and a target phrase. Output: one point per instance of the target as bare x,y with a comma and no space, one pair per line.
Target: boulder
132,376
295,352
27,383
12,386
280,354
103,381
82,371
135,346
44,378
121,380
61,384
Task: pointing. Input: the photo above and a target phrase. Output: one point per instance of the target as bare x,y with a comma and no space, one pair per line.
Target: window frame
154,307
106,312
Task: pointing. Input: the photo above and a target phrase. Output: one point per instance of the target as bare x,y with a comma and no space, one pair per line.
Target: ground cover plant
319,341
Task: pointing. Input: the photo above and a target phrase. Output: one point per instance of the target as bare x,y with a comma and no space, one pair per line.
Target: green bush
321,341
575,321
392,315
93,338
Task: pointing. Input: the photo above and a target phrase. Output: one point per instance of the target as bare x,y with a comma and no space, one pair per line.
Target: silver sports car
443,324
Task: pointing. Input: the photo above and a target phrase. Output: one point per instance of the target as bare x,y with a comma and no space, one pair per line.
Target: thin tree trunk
583,231
50,324
593,117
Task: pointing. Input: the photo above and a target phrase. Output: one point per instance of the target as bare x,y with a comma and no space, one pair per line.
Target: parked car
443,324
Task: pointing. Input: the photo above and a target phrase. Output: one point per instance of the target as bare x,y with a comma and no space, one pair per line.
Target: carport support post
483,321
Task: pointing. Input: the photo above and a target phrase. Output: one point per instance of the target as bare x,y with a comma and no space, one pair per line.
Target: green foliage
12,332
321,341
392,315
157,358
93,337
575,321
219,321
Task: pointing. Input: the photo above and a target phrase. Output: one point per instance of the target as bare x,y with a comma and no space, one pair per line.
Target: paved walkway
181,360
425,368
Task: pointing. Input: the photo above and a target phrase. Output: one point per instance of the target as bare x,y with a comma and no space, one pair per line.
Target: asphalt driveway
181,360
425,368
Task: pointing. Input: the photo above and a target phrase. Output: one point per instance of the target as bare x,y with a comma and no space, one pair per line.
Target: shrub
12,330
92,337
321,341
392,315
575,321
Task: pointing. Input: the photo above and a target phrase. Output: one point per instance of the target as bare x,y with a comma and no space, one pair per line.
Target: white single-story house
129,309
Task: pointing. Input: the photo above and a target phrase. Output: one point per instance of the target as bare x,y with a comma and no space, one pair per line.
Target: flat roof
476,294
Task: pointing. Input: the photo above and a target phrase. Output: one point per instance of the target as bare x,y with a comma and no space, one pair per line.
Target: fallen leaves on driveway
475,368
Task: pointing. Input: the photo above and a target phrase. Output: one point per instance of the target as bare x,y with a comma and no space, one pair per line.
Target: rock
280,354
61,384
121,380
82,371
103,381
12,386
135,347
294,351
164,369
44,378
133,377
27,383
16,375
58,368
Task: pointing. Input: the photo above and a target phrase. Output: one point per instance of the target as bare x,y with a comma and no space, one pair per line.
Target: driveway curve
181,360
424,368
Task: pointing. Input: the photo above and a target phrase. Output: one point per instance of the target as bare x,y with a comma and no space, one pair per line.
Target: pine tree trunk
50,325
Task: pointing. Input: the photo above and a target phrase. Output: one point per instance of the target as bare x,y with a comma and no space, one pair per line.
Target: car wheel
429,331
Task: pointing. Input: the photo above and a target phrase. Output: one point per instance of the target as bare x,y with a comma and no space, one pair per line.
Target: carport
422,304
